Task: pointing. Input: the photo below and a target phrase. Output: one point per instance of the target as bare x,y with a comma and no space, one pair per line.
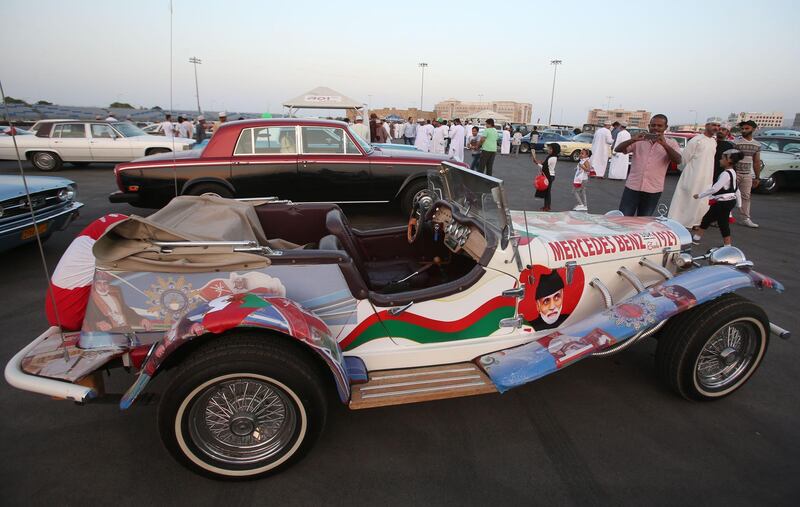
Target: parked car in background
780,132
83,142
54,203
393,146
544,138
787,144
5,129
779,171
291,158
681,138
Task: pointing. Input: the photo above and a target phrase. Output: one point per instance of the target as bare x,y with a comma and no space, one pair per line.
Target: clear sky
715,57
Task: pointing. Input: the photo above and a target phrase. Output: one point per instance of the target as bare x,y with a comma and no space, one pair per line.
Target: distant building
796,123
518,112
687,127
402,113
762,119
638,118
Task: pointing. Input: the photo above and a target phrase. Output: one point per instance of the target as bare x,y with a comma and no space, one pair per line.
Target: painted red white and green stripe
484,321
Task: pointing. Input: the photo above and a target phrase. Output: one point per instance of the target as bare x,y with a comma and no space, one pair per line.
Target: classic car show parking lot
606,433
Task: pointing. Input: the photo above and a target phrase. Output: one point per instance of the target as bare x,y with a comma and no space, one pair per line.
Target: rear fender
199,181
248,311
520,365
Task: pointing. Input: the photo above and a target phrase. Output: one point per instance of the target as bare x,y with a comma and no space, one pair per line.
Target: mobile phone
651,137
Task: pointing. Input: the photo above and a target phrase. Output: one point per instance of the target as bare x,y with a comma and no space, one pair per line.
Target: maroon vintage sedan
298,159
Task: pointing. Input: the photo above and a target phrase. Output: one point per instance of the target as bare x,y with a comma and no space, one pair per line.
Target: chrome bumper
779,331
41,385
73,207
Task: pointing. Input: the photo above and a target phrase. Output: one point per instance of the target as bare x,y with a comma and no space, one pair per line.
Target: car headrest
330,242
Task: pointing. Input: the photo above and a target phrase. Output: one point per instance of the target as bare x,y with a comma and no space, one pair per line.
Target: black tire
46,161
686,335
409,193
80,164
576,156
156,151
199,436
209,188
524,148
771,185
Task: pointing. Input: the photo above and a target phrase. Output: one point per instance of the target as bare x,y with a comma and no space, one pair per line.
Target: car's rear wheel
710,351
576,156
156,151
209,188
46,161
524,148
243,407
411,194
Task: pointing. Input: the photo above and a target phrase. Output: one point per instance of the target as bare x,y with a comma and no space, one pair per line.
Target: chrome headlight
68,193
730,256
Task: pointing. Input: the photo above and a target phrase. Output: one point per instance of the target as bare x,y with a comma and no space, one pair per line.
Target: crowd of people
184,127
719,173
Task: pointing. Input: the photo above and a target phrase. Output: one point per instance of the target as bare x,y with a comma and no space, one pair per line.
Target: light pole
196,61
608,106
422,66
695,117
555,64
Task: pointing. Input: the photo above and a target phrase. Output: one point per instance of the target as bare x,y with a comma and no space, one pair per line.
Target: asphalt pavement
602,432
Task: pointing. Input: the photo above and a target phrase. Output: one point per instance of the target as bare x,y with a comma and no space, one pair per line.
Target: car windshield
473,193
129,129
364,144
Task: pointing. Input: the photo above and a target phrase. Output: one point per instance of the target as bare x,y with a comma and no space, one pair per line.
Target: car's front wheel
771,185
46,161
710,351
524,148
576,156
243,407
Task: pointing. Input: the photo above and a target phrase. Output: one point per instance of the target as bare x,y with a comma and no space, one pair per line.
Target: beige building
402,113
639,118
762,119
518,112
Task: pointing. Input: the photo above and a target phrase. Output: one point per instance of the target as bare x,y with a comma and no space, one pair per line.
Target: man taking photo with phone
652,154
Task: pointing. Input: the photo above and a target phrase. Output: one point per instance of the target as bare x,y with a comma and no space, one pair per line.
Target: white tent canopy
322,97
484,115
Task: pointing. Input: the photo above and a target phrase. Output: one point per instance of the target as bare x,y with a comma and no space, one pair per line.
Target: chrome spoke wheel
242,421
727,356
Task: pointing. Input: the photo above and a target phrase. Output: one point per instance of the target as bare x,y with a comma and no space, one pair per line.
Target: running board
413,385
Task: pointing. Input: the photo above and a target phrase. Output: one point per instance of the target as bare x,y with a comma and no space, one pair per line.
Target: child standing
581,179
725,194
472,144
548,168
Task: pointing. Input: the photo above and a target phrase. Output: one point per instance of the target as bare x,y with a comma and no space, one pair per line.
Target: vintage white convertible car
262,309
83,142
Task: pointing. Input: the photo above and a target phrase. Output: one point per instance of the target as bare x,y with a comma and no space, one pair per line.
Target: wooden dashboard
460,236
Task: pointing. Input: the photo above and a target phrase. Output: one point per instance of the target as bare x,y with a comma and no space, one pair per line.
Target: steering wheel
419,208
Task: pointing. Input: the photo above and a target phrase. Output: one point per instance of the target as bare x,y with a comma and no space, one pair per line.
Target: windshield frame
448,172
368,148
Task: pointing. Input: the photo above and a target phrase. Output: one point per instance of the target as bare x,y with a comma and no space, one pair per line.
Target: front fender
520,365
246,310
